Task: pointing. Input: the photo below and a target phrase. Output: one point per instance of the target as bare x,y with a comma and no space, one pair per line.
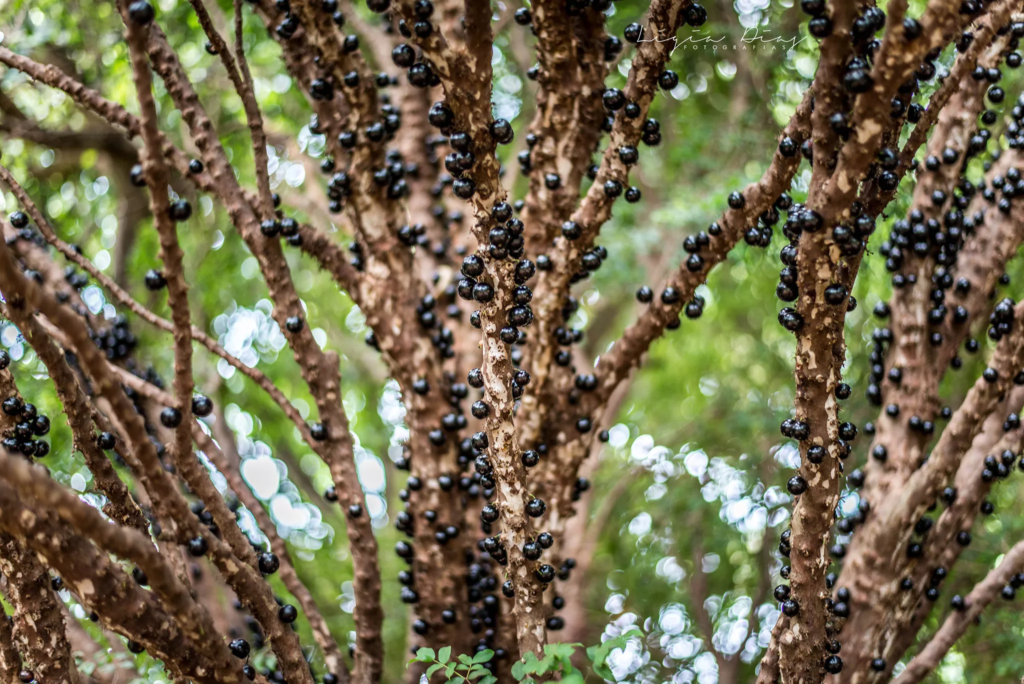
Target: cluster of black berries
848,524
443,532
421,72
1001,466
338,188
482,582
28,233
671,297
268,564
441,336
74,278
758,235
20,220
851,240
199,509
921,235
256,640
590,262
694,245
481,585
929,237
22,439
880,338
1008,592
942,242
391,176
614,101
490,513
290,23
118,341
1004,188
799,220
785,549
1013,130
281,226
480,483
505,242
797,485
1001,320
838,607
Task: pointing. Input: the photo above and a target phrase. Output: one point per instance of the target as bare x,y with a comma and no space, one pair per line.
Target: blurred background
688,498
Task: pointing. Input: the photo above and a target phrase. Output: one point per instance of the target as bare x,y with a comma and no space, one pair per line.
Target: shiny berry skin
170,417
318,431
197,547
796,485
833,664
239,648
268,563
155,280
202,406
106,441
545,573
141,12
180,210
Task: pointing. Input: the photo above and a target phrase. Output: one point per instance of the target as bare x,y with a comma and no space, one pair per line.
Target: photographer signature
754,37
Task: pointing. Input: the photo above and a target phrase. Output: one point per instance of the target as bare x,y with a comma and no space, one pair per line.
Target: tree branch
193,620
958,621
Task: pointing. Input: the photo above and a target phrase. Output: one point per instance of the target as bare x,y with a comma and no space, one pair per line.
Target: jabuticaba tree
462,238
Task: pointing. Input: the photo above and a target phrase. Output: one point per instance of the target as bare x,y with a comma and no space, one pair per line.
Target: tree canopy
348,305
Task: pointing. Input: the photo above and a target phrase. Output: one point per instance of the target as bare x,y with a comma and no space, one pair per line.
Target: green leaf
425,655
560,650
475,674
449,670
483,656
432,669
603,671
517,670
489,679
547,664
574,677
530,663
444,654
598,654
463,658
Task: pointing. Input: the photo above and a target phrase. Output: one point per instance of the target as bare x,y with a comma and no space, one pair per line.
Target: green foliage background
713,392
